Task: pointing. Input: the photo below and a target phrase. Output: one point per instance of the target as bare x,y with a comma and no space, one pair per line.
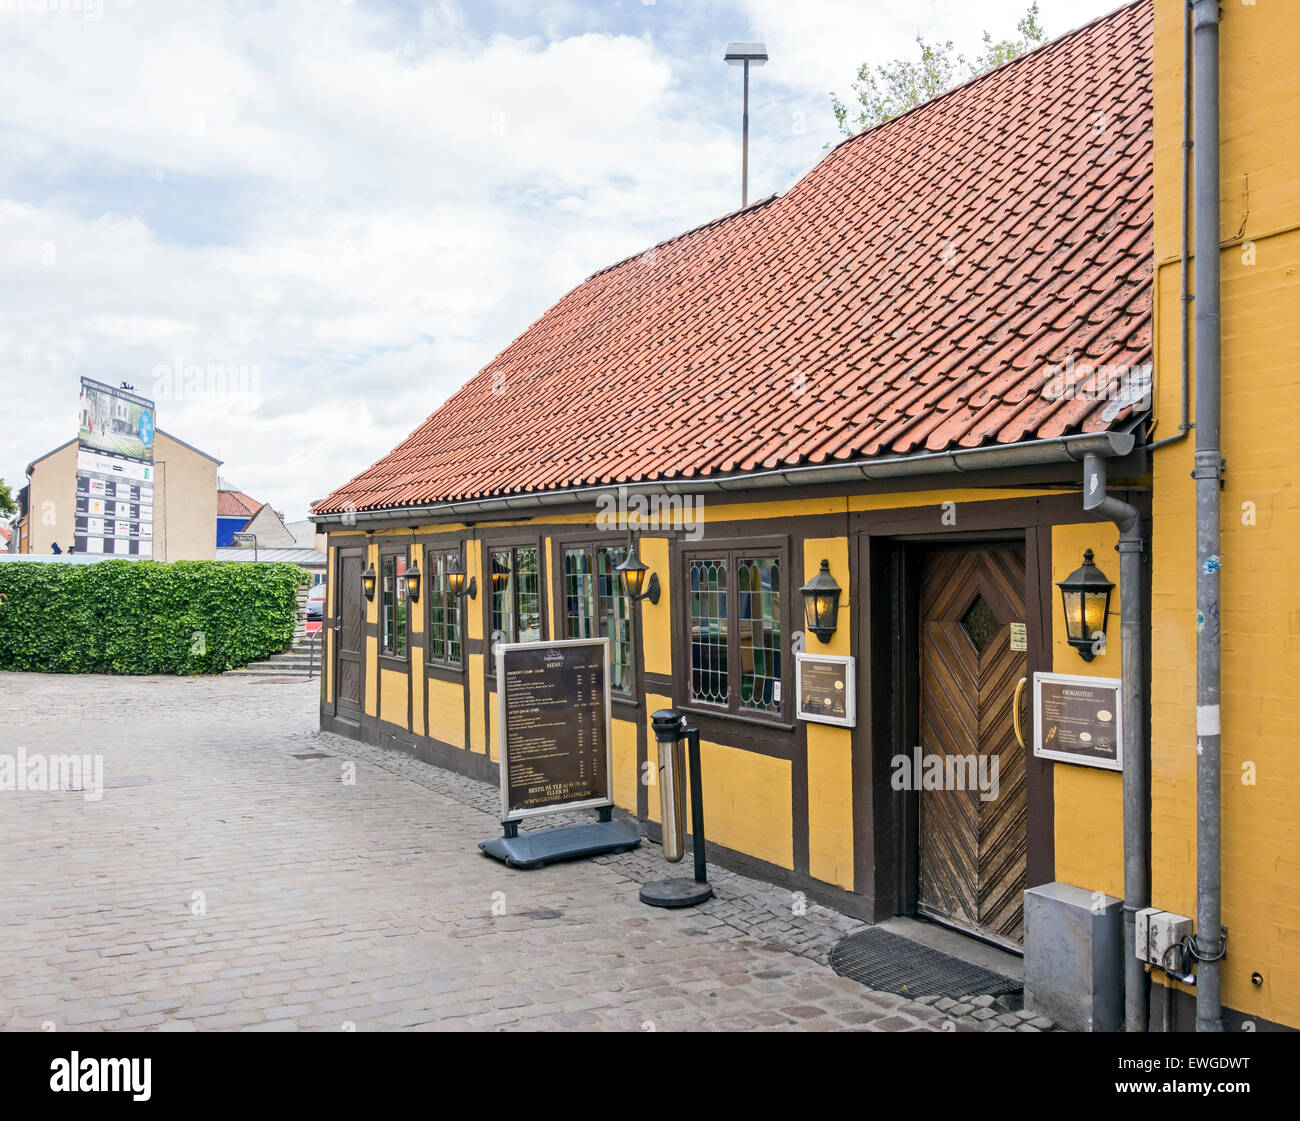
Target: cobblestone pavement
230,878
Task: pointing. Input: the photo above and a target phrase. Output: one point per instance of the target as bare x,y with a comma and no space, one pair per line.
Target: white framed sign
825,689
554,723
1079,720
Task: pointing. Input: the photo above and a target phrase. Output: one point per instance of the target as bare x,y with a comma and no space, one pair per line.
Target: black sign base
678,892
568,842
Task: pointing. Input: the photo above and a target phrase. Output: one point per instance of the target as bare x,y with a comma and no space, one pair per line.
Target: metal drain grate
886,962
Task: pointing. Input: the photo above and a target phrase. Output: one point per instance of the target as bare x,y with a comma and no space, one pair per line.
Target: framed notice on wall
1078,720
824,686
553,711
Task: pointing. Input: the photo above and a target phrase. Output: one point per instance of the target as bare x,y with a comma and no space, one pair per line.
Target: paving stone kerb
223,883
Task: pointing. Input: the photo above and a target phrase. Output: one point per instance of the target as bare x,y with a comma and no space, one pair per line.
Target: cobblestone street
229,878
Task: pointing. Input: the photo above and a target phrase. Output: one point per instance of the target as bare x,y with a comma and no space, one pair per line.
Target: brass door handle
1015,710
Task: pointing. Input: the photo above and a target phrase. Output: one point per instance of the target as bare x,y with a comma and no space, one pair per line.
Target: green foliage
7,504
119,616
886,91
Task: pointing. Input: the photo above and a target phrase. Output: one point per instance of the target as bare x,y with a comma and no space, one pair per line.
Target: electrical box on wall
1157,932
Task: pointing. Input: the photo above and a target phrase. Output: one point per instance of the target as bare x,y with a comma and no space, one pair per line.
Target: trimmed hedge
119,616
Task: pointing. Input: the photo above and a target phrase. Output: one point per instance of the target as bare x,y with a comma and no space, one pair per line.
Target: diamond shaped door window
979,623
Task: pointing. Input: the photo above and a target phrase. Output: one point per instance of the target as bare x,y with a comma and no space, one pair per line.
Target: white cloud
365,202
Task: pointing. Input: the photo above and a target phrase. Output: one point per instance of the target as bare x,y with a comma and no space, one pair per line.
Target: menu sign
1078,720
553,705
825,687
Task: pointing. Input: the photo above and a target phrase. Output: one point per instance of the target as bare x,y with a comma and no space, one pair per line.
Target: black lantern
456,579
368,581
632,579
413,581
821,603
500,574
1085,595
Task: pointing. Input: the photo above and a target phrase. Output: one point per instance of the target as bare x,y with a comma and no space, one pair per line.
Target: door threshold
960,944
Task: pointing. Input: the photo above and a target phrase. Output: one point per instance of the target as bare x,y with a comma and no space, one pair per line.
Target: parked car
316,603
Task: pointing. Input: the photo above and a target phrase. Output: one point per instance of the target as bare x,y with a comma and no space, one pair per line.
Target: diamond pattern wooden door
972,847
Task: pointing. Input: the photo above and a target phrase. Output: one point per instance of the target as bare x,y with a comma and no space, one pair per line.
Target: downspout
1208,945
1137,800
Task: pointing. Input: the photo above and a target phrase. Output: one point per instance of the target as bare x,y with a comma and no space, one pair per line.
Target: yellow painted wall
624,779
477,730
830,766
1088,802
830,805
494,729
446,712
1258,609
393,695
747,800
656,618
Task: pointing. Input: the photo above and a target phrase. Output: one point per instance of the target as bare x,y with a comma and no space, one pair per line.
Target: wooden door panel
971,859
348,670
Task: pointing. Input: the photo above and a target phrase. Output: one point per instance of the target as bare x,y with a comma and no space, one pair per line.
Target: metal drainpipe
1207,473
1137,800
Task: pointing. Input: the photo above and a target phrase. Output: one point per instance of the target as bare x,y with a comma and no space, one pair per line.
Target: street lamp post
742,54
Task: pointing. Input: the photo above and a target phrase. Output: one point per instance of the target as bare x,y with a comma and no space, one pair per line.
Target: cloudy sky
345,208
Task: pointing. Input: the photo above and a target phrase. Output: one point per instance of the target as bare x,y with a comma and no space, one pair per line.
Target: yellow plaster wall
1089,806
656,618
624,779
393,695
446,712
830,766
1258,609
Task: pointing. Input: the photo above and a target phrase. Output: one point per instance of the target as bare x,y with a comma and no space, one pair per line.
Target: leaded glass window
758,587
393,604
708,638
594,606
444,611
517,593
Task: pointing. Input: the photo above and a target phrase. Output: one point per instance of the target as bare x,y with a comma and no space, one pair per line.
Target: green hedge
119,616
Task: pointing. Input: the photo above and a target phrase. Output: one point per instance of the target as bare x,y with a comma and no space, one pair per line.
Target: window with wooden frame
392,605
735,630
445,637
595,606
515,577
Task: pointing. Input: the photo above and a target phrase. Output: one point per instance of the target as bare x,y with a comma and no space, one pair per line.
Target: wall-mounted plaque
826,689
1078,720
554,726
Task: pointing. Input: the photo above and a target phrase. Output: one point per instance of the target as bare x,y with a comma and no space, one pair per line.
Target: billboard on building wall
115,472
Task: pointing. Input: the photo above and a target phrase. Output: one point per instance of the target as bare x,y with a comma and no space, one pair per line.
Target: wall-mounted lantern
456,579
1085,595
413,581
500,575
821,603
632,578
368,581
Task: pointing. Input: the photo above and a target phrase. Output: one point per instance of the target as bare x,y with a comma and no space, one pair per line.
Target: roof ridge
687,233
982,75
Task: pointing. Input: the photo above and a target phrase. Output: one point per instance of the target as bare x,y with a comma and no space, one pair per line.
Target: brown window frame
491,546
386,554
432,550
591,547
733,549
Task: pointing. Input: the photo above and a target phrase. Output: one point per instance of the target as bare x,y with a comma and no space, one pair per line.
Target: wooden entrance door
349,634
972,845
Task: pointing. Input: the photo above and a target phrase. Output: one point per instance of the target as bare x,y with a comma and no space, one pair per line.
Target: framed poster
1078,720
553,708
825,689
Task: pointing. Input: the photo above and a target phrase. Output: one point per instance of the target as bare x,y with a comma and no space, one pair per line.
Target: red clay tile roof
907,295
236,504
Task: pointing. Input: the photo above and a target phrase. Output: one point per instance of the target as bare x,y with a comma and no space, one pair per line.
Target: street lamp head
738,54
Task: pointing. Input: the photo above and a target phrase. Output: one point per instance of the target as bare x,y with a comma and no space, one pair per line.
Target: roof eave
1028,453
